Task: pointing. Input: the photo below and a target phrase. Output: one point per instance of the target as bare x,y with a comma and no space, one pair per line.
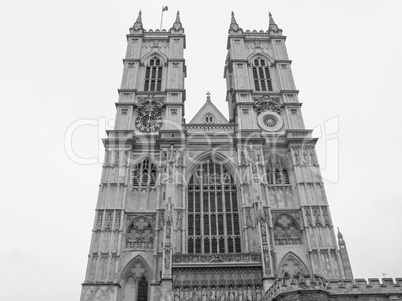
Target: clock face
148,121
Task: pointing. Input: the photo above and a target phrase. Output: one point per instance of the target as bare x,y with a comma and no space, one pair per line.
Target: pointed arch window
213,214
136,285
261,75
142,290
153,75
277,176
144,175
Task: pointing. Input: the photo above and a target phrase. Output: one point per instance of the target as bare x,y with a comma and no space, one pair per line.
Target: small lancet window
144,175
153,75
261,75
278,177
142,290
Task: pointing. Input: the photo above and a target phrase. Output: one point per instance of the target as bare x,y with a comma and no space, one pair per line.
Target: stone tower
213,209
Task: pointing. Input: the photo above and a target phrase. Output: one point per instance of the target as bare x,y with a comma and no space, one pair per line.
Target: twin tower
213,209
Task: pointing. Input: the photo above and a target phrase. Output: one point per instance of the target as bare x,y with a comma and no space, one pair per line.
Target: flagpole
163,9
161,18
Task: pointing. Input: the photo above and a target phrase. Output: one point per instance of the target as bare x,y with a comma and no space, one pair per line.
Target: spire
273,29
233,24
138,24
343,252
177,23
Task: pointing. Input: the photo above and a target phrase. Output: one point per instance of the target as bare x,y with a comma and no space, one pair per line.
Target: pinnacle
139,18
233,19
233,24
273,27
178,17
271,20
340,236
177,23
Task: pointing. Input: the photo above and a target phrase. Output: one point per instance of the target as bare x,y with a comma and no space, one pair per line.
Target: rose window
140,235
270,121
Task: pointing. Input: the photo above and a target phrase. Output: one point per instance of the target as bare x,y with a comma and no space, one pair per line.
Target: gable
208,111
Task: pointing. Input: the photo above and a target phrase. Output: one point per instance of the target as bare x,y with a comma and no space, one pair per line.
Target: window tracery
213,216
286,231
140,234
277,172
136,286
261,75
153,75
144,175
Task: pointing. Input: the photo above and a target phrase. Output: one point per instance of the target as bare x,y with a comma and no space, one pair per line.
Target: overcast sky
61,62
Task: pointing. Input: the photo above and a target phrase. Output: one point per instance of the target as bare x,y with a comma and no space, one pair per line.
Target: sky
61,66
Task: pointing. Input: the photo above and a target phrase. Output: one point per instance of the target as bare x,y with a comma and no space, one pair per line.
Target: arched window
144,175
209,119
278,176
142,290
153,75
213,214
261,75
286,231
136,285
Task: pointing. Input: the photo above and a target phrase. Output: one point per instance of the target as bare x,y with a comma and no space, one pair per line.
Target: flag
164,8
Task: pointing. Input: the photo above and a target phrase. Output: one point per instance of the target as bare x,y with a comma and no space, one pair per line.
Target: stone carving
246,285
150,103
267,103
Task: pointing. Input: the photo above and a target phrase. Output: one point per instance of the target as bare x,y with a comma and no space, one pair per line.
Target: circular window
270,121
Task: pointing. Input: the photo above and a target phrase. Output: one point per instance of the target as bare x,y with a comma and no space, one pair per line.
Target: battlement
306,284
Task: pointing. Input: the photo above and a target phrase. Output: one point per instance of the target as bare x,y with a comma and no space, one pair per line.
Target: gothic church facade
213,209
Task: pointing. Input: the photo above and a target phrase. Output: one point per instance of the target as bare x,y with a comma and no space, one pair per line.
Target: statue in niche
222,296
180,156
213,294
249,294
251,153
179,224
242,158
204,294
167,259
231,295
195,294
169,214
297,156
186,296
254,168
240,294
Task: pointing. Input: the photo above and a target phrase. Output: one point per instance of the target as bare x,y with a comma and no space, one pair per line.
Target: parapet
334,288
